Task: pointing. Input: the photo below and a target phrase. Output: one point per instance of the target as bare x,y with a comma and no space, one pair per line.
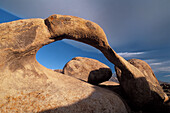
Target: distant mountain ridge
7,17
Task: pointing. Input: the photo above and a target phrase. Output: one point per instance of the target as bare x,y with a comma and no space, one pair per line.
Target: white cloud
159,66
155,64
130,54
149,61
166,76
164,69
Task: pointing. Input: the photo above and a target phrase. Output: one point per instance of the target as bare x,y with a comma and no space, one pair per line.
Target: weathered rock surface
115,87
24,82
87,69
90,33
142,91
59,70
27,86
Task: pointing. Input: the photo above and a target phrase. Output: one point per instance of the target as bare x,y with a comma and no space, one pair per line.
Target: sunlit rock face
27,86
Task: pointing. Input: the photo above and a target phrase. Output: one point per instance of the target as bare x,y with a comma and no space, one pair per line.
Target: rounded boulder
87,69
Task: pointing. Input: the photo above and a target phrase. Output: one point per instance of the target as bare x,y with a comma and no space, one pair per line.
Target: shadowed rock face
143,91
27,86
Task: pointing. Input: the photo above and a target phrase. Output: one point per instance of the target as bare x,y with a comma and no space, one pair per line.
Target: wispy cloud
155,64
164,69
159,66
130,54
166,76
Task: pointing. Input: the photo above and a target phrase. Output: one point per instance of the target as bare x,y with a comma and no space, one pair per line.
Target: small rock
166,88
59,70
114,79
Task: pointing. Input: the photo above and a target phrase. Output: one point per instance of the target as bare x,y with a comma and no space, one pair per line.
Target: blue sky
134,28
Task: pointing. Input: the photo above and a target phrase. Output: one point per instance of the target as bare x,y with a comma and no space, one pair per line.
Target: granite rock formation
143,91
27,86
90,33
87,69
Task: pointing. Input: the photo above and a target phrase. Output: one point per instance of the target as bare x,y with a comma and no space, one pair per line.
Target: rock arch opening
55,55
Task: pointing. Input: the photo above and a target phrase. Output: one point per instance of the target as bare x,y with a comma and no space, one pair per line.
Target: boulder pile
27,86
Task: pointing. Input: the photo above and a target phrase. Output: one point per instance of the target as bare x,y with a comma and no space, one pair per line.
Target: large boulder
143,91
27,86
87,69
